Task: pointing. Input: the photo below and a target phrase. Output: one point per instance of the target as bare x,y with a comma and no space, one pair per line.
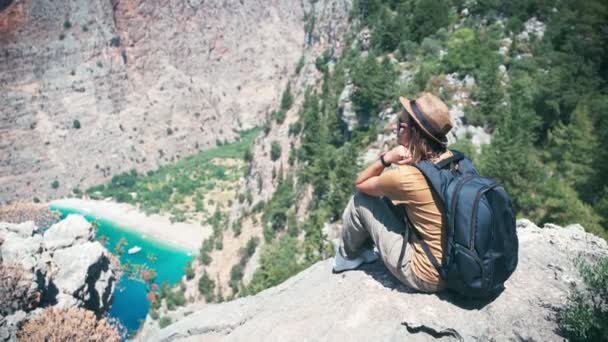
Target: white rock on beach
68,231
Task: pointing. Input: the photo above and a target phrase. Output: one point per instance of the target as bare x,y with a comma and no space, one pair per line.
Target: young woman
375,213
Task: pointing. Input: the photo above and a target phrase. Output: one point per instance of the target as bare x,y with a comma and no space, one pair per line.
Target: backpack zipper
474,213
456,192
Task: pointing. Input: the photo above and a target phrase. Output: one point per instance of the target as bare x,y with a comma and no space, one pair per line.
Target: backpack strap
424,245
456,157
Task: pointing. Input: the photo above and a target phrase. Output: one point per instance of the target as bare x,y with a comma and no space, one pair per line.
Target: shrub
295,128
76,124
237,227
275,213
67,24
278,262
115,41
236,274
300,65
206,286
206,247
275,150
321,61
247,251
61,36
585,317
55,184
248,155
164,321
16,292
74,324
374,85
286,99
189,271
278,116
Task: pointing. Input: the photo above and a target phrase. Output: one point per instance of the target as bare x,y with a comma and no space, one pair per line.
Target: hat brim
405,102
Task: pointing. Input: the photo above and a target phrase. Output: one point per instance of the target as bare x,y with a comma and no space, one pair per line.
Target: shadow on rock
379,272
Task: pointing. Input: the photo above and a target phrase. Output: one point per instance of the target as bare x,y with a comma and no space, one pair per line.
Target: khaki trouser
369,220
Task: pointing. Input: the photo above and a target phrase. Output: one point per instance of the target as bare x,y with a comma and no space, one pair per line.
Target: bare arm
367,182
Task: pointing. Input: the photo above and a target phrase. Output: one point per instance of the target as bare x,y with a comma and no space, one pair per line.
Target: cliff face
370,305
91,89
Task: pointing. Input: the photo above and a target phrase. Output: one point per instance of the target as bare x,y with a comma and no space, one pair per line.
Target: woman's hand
398,155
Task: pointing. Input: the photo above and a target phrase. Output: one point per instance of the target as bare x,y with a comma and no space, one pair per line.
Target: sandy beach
187,236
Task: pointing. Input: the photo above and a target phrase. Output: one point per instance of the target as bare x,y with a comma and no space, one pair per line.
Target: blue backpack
481,239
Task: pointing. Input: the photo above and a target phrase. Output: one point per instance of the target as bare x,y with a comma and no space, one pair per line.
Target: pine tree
342,180
573,149
374,85
511,160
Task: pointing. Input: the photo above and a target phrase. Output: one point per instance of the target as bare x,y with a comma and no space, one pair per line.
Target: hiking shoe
341,263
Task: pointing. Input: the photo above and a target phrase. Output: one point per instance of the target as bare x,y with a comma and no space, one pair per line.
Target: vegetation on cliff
543,98
180,188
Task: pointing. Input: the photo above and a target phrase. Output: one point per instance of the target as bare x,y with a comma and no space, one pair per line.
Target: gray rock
9,326
365,39
67,232
84,273
71,271
532,27
370,305
20,250
346,108
25,229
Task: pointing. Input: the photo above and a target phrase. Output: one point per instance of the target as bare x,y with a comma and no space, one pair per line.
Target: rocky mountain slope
61,267
92,89
369,304
329,33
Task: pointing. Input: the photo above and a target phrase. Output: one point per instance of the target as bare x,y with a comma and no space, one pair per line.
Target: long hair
421,146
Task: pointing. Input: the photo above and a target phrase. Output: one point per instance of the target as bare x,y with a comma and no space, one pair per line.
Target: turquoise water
130,304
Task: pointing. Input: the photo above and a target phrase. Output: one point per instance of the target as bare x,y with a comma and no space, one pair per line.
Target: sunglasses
402,124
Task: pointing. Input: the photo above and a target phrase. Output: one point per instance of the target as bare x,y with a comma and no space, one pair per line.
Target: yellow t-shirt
407,185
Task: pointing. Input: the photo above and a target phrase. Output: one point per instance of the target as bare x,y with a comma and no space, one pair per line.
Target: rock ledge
370,305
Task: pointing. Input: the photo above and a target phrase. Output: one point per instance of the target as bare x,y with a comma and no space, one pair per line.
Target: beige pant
369,220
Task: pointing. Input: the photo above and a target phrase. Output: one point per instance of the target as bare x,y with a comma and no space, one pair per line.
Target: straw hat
431,115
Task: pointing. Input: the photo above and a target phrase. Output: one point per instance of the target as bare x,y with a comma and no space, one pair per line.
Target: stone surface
65,233
65,268
17,249
370,305
25,229
532,27
79,268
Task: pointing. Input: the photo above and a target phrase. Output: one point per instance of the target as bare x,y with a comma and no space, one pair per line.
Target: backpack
481,239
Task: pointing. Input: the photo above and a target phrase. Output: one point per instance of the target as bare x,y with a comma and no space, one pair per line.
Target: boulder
369,304
25,229
84,273
63,268
68,231
20,250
